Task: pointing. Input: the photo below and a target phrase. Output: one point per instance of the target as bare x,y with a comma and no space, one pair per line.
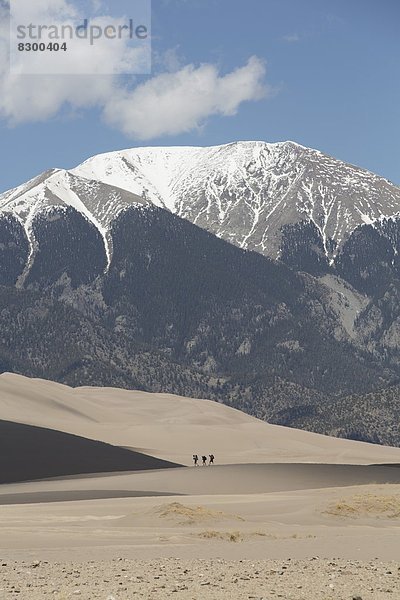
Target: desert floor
282,514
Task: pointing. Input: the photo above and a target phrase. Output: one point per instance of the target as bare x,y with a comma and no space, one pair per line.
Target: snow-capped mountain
282,200
56,190
248,192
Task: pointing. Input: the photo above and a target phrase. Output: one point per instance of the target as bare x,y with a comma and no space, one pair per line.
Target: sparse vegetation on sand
188,515
242,536
367,505
229,536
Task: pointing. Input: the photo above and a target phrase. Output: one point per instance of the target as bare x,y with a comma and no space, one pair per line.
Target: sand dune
171,427
222,480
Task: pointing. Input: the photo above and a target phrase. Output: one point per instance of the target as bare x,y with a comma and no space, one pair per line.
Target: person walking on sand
195,459
211,459
204,459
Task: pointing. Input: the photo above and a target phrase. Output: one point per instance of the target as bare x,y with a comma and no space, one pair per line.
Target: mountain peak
253,194
248,192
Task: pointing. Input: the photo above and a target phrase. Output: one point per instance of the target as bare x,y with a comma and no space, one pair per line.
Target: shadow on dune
28,453
74,495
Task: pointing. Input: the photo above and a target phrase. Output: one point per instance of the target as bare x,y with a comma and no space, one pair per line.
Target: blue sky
331,82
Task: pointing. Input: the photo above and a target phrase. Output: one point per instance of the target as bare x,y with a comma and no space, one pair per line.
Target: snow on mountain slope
245,192
98,202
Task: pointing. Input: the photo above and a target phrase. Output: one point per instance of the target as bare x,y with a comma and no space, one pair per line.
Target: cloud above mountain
172,103
167,103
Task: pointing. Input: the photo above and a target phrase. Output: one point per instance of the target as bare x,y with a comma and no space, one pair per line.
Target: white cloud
173,103
30,98
176,101
291,38
38,98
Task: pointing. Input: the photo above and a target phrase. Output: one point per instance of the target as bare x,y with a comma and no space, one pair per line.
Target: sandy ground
297,524
289,515
218,579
